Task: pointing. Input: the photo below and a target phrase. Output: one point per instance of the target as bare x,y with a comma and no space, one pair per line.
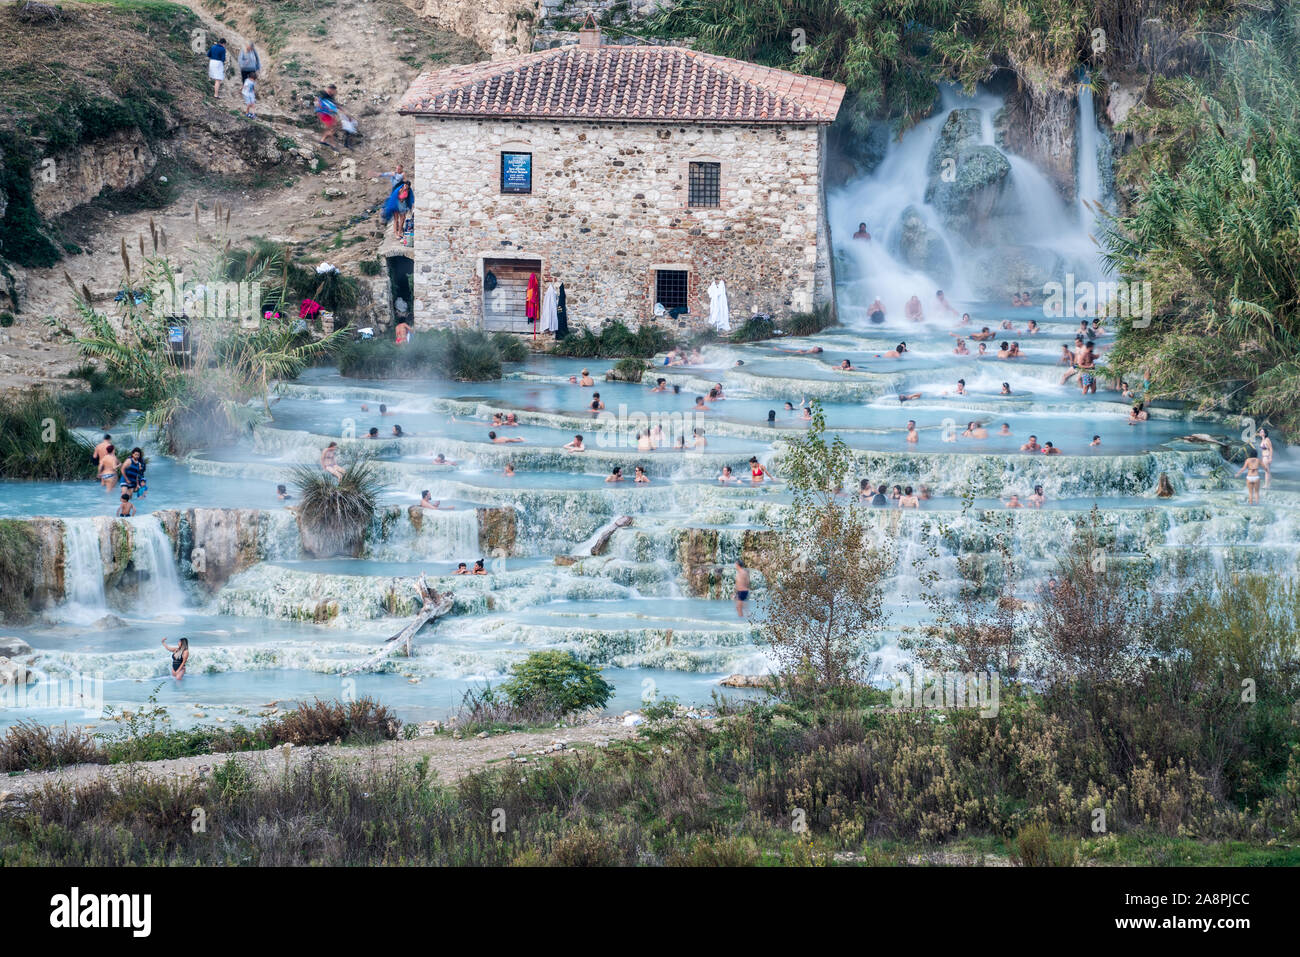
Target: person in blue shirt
217,65
133,474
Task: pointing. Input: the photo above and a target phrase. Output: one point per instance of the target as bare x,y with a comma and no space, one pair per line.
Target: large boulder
914,243
968,193
994,274
11,647
960,131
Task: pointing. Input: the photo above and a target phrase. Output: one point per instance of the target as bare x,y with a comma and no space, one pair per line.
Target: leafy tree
556,681
824,602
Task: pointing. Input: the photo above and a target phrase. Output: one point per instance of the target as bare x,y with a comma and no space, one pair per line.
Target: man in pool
742,587
1096,441
1005,430
1014,501
912,435
862,233
894,353
943,303
913,310
876,311
975,431
908,499
878,500
1038,498
908,396
586,379
699,404
1032,445
1050,449
811,351
615,475
661,385
596,404
983,335
462,569
846,365
726,478
502,439
98,453
575,446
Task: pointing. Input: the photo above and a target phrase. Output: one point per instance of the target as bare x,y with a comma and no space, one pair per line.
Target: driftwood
435,605
597,543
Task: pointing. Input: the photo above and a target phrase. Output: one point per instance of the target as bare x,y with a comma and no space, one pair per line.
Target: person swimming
1006,388
615,475
897,351
1096,441
1032,445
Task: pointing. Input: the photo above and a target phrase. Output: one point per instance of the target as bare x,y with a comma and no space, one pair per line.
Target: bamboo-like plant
206,398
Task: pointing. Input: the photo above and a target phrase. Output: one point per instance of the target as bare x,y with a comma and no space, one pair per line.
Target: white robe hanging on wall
550,316
719,310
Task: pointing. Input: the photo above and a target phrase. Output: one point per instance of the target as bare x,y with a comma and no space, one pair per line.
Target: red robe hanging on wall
531,303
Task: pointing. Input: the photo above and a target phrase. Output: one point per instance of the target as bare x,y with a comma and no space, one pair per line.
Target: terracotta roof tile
635,83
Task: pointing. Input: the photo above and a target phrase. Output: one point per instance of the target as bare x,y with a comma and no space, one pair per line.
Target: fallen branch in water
435,605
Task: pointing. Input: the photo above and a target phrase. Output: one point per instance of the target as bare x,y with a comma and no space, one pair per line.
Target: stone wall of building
609,207
559,20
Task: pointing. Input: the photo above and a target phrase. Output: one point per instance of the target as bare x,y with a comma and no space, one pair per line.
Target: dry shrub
29,746
325,722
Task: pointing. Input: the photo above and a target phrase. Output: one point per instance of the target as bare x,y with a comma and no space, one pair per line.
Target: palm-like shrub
557,682
333,516
203,401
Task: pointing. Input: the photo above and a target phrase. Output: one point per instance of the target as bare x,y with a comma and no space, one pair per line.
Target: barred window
704,189
670,288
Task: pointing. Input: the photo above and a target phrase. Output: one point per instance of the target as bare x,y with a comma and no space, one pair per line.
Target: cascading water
949,208
1088,160
151,554
83,570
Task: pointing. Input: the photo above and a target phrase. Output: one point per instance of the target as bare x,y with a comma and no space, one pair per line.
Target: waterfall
951,207
444,535
1088,162
151,554
83,570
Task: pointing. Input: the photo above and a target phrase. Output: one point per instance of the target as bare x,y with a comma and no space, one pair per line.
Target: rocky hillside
109,124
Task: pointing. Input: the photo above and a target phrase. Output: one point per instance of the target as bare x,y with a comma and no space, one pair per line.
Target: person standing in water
1266,455
742,587
329,460
108,466
180,657
1251,467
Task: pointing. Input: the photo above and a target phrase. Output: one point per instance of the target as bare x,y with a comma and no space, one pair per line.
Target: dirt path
372,49
449,758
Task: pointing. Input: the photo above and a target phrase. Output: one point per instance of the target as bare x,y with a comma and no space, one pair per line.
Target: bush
557,681
326,722
6,319
370,267
809,323
510,347
28,746
333,516
615,340
101,407
753,329
629,370
35,442
472,356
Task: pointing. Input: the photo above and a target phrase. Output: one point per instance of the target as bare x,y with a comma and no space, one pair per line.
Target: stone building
635,175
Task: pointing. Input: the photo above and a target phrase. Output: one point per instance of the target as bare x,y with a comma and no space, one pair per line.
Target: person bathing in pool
913,310
503,439
876,311
180,657
1252,467
975,431
943,303
897,351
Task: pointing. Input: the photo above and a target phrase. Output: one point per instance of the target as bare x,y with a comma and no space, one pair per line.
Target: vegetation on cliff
35,442
1213,228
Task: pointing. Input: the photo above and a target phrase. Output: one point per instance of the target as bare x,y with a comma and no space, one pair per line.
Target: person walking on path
250,97
327,111
217,65
249,62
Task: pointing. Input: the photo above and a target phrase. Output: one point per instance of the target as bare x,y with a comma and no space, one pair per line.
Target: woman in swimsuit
180,657
1252,468
756,471
1266,455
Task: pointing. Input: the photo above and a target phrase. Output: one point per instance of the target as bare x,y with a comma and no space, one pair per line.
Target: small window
516,172
704,184
670,288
